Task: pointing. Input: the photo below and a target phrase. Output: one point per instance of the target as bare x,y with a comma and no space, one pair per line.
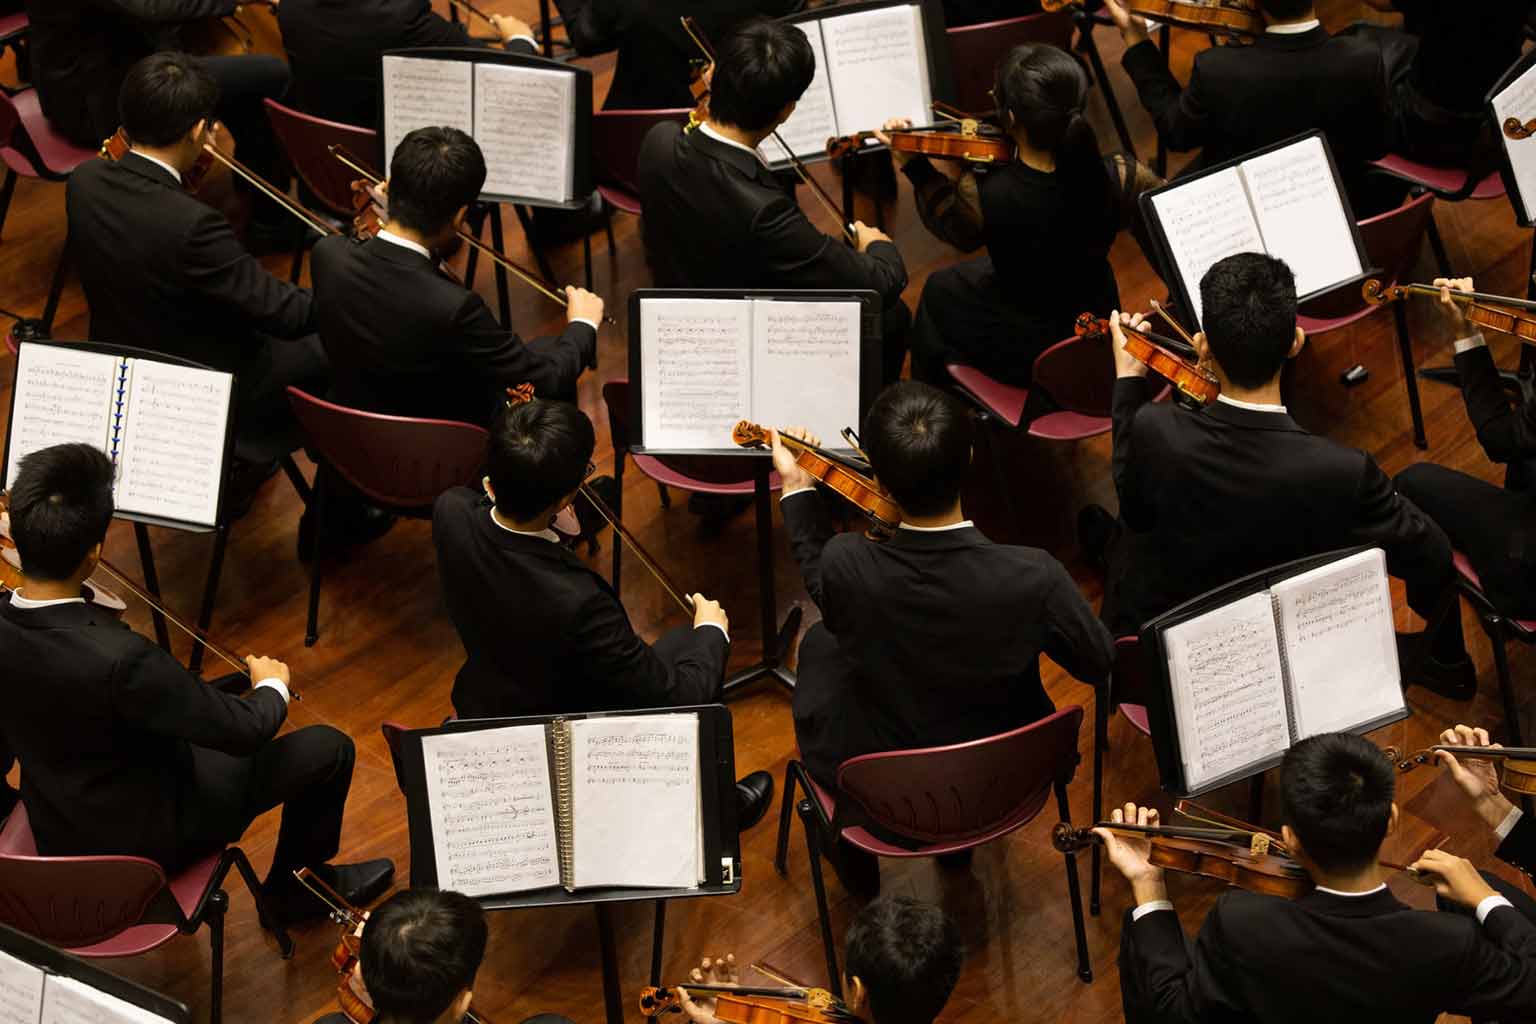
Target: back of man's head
907,954
1248,304
434,174
163,97
760,68
1336,794
61,505
421,949
918,439
537,454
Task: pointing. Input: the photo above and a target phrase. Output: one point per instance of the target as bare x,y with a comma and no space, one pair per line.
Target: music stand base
771,667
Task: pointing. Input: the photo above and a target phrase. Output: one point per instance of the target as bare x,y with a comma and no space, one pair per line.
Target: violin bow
816,189
1160,310
469,8
266,188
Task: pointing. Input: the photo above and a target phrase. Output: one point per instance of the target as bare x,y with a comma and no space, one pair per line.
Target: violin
1196,385
1516,129
1236,856
737,1004
865,494
970,141
1519,763
1475,306
1232,18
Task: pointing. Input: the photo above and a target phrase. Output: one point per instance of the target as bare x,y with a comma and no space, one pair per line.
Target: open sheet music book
165,426
31,995
583,803
1285,201
1310,654
1515,97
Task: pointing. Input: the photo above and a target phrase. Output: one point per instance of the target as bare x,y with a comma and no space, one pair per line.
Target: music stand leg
776,640
1087,44
658,941
546,29
210,594
525,218
1160,164
503,299
613,1002
152,583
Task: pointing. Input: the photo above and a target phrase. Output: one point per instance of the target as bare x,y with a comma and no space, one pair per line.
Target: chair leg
781,847
218,904
317,513
263,917
1101,708
1437,246
6,192
56,290
1410,376
618,510
297,268
296,478
586,258
210,594
1074,893
813,847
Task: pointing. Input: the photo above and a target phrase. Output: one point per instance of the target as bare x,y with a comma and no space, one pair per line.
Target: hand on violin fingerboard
791,476
1130,854
1478,780
711,971
1126,365
896,124
1449,306
1132,29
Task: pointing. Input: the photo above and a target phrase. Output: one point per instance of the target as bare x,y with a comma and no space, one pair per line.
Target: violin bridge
1259,845
970,127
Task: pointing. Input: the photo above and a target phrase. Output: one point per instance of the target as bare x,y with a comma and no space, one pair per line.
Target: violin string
1157,307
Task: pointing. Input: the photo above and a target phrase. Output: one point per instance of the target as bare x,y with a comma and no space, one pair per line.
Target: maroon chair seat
616,139
1446,182
307,140
13,24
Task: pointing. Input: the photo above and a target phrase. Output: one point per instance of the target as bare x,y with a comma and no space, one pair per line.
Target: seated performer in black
1349,949
405,338
715,215
1494,527
122,750
1478,779
895,662
542,632
1210,496
334,48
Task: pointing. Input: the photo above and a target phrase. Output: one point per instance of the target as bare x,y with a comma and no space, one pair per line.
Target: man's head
919,444
903,957
167,100
1249,315
1286,10
1336,801
61,505
421,949
761,71
537,457
435,174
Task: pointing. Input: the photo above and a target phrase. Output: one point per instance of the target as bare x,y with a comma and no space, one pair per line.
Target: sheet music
492,812
635,794
1518,100
1301,215
21,991
172,455
525,124
695,357
805,365
1228,692
1205,221
814,121
424,93
878,65
67,1001
63,395
1340,647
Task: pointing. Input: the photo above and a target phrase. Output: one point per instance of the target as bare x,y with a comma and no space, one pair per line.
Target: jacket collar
1374,905
1293,40
58,616
147,169
938,540
1251,419
396,254
531,546
747,163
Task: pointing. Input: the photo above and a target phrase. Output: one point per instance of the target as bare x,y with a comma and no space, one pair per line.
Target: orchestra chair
306,141
15,35
115,906
944,800
1501,629
1392,244
616,139
399,463
1452,184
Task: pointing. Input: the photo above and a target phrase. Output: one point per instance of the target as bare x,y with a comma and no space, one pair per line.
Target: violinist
403,337
1478,780
1349,949
542,632
894,662
122,750
1207,497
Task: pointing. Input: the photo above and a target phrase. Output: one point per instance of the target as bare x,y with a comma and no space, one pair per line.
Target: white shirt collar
27,604
707,130
1293,30
546,534
964,524
1352,895
1250,406
173,172
404,243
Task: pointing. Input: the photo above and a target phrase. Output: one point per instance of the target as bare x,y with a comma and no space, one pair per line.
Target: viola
1236,856
1481,308
1197,385
970,141
1519,763
737,1004
865,494
117,146
1233,18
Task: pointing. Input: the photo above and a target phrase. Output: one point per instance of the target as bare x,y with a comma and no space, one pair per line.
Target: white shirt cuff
583,320
1489,905
527,39
276,684
797,490
717,626
1150,907
1470,342
1508,824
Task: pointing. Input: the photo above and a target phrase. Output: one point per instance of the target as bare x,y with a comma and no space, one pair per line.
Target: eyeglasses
591,468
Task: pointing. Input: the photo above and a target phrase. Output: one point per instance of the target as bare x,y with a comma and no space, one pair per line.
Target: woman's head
1041,90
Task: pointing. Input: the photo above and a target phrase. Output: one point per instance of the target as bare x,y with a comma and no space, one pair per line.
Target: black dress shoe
288,901
1454,679
1095,529
360,524
754,793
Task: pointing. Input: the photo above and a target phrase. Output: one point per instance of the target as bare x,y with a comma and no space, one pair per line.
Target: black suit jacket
715,217
941,634
163,271
544,634
1506,431
403,338
1519,847
1325,958
334,46
103,722
1207,497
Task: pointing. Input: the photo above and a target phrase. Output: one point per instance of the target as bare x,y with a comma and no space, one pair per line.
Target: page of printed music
767,510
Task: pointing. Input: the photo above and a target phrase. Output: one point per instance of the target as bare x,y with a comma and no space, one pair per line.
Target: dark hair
919,444
163,96
1248,304
760,68
908,955
537,454
421,948
434,173
1336,792
61,505
1286,10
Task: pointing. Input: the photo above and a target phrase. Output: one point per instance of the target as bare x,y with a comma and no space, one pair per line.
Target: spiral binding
560,737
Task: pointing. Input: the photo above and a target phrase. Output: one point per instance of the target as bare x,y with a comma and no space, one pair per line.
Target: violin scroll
1516,129
1376,294
1067,839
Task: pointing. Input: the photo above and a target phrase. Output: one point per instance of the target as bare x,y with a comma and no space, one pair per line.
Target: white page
1336,625
695,362
805,365
878,64
1228,692
67,1001
172,457
813,122
493,816
1301,215
525,124
424,93
635,801
1205,221
63,395
21,991
1518,100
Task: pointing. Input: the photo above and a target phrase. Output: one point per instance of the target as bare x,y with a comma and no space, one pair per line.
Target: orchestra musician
1478,780
122,750
894,662
542,632
1207,497
1364,954
406,339
717,217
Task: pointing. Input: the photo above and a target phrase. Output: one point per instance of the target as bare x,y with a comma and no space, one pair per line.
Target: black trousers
262,405
244,82
895,326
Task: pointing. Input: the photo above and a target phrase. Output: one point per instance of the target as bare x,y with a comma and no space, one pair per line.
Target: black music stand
58,963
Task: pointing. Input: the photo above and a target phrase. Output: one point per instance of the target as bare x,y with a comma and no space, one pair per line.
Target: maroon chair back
398,462
1078,374
307,139
616,139
703,468
1392,243
960,792
974,51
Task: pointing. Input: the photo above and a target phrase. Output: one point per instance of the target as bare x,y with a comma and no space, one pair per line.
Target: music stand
58,963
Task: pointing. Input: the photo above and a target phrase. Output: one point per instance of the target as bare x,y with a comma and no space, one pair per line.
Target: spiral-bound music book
41,985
